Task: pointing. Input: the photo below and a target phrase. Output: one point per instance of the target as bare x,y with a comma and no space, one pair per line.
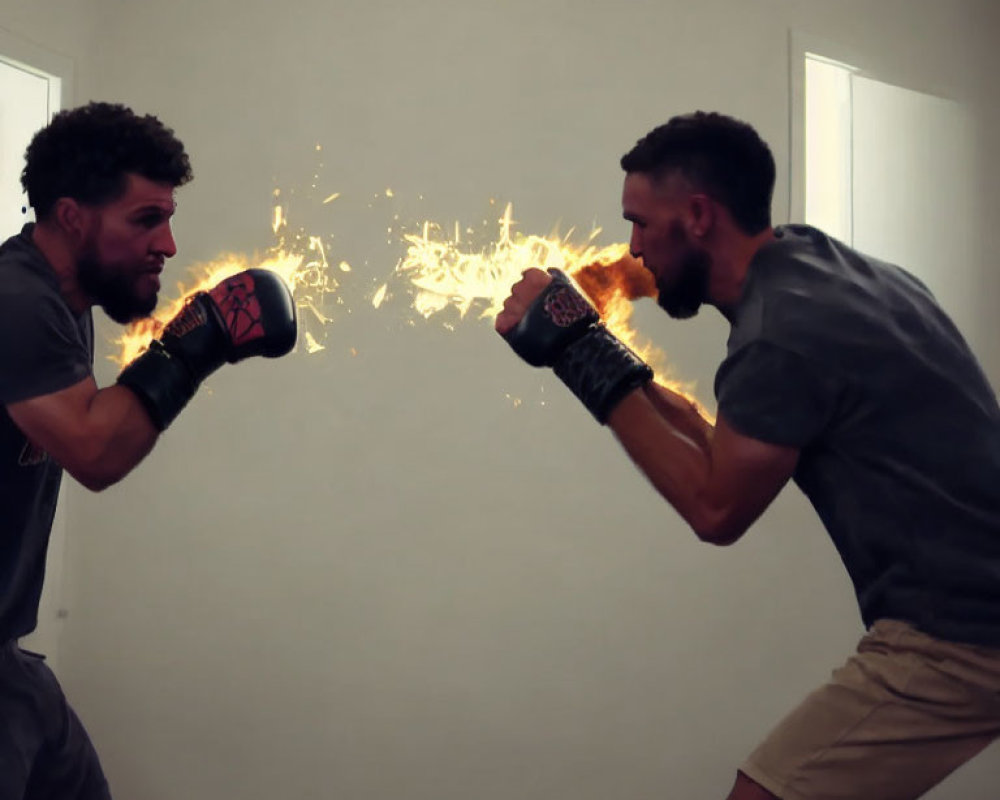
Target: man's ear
72,218
701,211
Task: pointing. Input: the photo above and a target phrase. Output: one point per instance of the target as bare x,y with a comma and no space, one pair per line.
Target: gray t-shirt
851,360
44,347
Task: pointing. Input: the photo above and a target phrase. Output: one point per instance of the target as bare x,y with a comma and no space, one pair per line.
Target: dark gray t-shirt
851,360
44,347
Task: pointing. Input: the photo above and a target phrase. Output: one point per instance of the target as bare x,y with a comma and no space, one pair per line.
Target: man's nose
164,244
635,243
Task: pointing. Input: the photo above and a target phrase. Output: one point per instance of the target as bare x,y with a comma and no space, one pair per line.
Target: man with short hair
101,180
843,373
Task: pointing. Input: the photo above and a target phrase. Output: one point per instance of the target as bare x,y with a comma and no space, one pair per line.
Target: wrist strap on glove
251,313
161,381
600,370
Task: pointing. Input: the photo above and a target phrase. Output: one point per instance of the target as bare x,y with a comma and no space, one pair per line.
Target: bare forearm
670,442
682,413
97,436
716,479
122,435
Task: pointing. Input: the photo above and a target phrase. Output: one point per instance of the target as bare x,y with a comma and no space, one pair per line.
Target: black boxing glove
251,313
560,329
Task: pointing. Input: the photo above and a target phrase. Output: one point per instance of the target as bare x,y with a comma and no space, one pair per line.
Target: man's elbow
95,480
717,529
94,470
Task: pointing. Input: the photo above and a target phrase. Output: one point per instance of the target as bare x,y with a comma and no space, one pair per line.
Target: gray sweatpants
45,754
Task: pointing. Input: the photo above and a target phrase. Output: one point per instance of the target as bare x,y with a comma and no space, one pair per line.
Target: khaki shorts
898,717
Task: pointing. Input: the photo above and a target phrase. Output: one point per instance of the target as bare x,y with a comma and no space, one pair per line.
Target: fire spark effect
439,272
301,262
445,274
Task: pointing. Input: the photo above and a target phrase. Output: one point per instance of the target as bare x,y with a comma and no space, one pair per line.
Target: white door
913,186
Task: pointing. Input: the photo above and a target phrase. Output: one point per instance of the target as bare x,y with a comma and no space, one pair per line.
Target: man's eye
149,220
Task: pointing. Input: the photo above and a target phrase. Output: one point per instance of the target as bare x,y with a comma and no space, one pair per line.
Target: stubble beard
112,289
686,294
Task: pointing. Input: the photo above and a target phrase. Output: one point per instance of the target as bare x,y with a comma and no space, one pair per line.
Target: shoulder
25,275
797,265
801,286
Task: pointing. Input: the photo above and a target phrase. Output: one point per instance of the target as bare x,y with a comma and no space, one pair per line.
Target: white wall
372,576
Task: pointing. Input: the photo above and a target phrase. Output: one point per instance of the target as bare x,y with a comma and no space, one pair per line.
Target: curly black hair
87,153
721,156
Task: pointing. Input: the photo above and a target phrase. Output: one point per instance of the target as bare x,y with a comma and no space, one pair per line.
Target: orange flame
441,273
305,269
447,275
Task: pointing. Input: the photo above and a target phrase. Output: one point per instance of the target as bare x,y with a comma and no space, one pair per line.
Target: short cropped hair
719,155
86,153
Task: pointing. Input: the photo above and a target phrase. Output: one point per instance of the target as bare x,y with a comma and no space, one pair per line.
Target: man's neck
732,265
52,244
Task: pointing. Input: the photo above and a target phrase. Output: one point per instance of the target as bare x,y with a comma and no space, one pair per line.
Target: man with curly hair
844,374
101,180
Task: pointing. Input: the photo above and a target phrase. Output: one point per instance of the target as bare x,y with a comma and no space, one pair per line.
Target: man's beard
683,298
113,290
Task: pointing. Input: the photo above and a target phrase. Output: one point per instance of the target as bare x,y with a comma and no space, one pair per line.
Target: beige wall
54,28
371,576
987,33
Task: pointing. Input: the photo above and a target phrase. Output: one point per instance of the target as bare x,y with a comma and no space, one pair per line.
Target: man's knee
746,789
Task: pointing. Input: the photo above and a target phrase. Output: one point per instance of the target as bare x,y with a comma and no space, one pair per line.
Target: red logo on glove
240,309
565,307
